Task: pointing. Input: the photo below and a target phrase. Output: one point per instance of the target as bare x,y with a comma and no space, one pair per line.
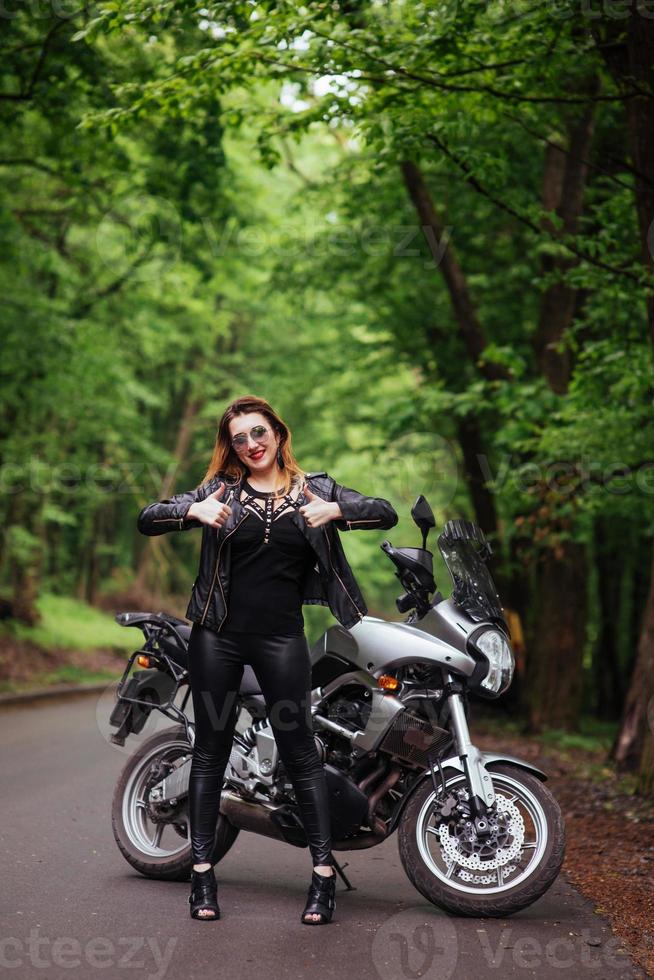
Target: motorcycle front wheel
153,838
490,877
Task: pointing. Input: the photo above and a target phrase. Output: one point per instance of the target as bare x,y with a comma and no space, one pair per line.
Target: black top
269,558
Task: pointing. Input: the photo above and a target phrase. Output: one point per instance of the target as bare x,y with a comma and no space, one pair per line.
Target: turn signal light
144,661
388,683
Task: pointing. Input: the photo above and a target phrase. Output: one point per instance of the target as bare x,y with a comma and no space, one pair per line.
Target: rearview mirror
423,516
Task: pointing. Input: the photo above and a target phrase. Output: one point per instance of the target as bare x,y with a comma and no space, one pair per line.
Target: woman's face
257,456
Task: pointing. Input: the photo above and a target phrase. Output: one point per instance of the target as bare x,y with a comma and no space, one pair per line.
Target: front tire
456,872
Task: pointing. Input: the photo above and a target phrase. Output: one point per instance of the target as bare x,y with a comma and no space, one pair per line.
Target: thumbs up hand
318,511
211,510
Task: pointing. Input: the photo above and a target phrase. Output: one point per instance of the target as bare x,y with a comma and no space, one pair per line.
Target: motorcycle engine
349,712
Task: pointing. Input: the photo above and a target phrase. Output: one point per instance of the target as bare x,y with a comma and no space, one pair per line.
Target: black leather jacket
330,582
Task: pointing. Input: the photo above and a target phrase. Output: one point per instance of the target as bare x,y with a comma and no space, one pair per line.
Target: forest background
423,231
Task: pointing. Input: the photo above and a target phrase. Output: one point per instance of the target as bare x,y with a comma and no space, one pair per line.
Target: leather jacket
330,582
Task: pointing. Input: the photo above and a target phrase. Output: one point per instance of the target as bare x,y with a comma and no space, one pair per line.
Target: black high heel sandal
321,898
203,894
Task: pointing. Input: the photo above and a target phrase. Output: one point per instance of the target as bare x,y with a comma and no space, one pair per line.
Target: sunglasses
258,432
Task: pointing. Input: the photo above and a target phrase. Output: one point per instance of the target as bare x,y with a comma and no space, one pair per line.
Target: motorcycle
479,834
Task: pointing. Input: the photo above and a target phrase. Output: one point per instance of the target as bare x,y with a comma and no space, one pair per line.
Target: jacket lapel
314,535
237,508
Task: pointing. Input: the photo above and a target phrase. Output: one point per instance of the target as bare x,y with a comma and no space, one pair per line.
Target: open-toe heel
204,895
321,899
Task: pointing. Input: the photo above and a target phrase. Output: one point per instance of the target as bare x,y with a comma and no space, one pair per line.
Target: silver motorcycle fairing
454,762
376,645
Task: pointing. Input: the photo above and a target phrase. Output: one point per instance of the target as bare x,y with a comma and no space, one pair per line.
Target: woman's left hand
319,511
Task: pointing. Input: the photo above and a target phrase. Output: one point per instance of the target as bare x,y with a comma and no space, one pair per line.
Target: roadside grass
66,674
586,752
71,624
74,643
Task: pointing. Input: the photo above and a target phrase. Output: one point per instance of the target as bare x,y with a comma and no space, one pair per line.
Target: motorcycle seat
249,683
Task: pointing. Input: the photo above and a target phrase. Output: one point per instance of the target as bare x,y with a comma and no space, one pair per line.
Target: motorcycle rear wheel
137,836
537,837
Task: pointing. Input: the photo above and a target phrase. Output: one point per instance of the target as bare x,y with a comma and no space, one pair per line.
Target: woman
268,546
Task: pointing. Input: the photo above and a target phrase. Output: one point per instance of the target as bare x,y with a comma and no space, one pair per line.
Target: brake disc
478,879
454,847
166,813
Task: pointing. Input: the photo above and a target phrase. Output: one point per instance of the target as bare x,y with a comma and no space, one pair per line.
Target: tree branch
474,182
478,89
82,309
562,149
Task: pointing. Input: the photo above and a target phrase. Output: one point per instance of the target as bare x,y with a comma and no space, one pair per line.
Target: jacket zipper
372,520
162,520
215,573
329,552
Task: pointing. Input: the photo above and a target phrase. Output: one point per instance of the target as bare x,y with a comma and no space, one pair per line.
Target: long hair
225,460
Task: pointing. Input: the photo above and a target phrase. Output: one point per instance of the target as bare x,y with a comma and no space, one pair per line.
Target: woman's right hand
211,510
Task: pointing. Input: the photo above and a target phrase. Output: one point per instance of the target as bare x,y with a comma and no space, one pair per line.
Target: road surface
73,907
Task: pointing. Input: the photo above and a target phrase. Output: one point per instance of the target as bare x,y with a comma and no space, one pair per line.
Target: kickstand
340,868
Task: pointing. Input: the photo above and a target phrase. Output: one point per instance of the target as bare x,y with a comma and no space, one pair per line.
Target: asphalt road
73,907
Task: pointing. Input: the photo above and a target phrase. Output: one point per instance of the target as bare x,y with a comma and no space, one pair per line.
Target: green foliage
204,200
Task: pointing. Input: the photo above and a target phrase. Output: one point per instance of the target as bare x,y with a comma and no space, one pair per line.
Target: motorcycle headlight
495,647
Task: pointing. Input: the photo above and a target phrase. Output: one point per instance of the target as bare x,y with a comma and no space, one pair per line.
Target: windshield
474,589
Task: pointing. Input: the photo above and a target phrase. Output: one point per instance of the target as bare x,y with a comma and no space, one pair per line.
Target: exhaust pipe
252,815
282,824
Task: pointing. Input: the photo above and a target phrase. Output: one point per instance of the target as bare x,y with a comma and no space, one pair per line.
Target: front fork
480,784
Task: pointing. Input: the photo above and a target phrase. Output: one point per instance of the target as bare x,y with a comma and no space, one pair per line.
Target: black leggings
282,667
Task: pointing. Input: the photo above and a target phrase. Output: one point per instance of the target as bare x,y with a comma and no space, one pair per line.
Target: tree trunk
145,568
608,675
483,502
472,448
555,652
634,747
564,181
472,335
474,341
25,567
627,46
558,635
443,254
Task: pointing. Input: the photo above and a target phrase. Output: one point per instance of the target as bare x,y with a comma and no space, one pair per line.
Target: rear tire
132,829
